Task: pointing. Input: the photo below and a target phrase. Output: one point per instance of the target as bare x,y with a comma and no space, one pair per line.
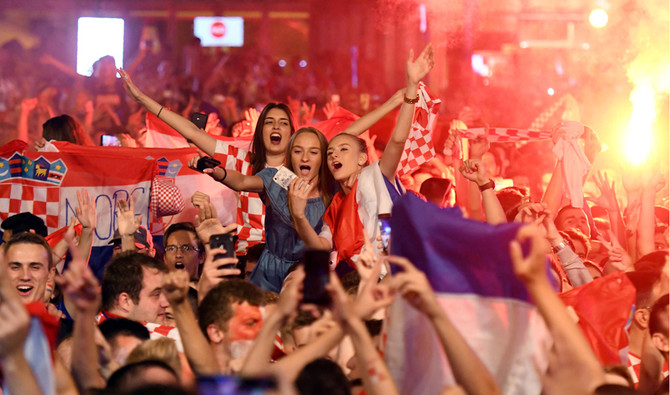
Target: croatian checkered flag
419,146
502,135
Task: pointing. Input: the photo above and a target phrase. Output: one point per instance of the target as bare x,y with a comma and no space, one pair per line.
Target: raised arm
416,70
127,223
81,288
200,356
474,170
366,121
231,178
182,125
469,371
573,368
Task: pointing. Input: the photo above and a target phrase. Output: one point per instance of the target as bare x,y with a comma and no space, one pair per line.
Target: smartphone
317,271
233,385
206,162
109,140
227,242
199,119
385,230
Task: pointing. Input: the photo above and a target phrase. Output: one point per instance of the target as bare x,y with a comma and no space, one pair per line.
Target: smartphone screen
199,119
385,230
206,162
227,242
317,270
109,140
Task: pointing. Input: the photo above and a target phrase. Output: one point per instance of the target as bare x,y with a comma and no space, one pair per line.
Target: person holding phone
268,148
368,190
295,198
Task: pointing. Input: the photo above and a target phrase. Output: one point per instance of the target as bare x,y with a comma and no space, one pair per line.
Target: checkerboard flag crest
419,147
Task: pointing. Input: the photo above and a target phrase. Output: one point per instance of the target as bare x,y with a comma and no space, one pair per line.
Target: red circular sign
218,29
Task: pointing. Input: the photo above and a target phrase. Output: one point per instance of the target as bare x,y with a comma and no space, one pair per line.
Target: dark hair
64,128
124,274
254,252
187,226
564,209
374,327
652,262
322,376
435,188
644,282
326,181
121,381
350,282
30,238
303,319
258,152
216,306
113,327
510,199
658,316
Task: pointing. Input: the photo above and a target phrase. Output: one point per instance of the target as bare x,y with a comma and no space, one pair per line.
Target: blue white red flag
468,265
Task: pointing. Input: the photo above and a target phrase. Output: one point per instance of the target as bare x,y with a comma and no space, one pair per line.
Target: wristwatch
561,245
488,185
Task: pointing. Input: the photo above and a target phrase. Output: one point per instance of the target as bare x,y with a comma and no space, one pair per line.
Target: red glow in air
218,29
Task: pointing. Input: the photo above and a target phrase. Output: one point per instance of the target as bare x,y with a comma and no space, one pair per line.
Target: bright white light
638,141
550,92
302,63
479,66
598,18
215,31
523,44
423,25
282,63
97,37
586,45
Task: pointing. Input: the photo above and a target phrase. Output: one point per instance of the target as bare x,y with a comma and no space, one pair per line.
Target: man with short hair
183,249
131,288
30,265
230,317
573,217
658,325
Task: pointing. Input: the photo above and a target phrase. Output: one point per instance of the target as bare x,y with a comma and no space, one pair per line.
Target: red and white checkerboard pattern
43,201
250,207
419,146
501,135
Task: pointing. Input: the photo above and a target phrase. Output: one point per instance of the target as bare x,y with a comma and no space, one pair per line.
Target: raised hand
478,147
207,223
215,270
307,113
127,222
414,287
530,268
417,69
27,105
607,198
373,296
252,115
79,283
85,211
175,286
291,295
474,170
331,108
299,190
199,199
133,91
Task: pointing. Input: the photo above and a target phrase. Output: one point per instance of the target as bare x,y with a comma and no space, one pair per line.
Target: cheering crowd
210,313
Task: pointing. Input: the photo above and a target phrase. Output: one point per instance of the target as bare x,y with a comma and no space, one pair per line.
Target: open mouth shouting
304,170
275,138
336,166
24,290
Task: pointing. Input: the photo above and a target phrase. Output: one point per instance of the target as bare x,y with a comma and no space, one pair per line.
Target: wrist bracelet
159,112
489,185
559,246
410,101
225,173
